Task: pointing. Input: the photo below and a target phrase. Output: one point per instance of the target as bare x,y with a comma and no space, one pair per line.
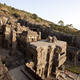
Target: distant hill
9,11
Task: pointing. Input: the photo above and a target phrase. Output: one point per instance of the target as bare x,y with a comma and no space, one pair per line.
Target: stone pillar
7,35
39,37
18,27
51,52
41,61
13,52
75,59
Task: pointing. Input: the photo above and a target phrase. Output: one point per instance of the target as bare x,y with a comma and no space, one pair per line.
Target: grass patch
74,69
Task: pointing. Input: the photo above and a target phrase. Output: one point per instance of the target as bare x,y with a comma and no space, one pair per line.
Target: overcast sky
53,10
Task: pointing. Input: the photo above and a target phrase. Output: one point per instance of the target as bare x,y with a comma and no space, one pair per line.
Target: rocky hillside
23,16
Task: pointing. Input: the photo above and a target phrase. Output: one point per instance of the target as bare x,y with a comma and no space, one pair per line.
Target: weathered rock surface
4,75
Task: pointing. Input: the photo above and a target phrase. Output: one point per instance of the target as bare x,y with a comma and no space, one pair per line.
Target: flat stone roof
44,43
61,43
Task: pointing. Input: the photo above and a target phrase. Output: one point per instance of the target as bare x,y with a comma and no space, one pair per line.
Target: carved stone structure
30,36
46,57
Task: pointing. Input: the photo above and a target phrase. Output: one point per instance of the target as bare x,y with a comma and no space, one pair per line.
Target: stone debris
4,74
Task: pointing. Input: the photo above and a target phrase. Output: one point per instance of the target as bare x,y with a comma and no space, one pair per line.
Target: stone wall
73,55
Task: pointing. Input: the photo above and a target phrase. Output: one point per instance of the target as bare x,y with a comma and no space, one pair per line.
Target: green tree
61,23
34,16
